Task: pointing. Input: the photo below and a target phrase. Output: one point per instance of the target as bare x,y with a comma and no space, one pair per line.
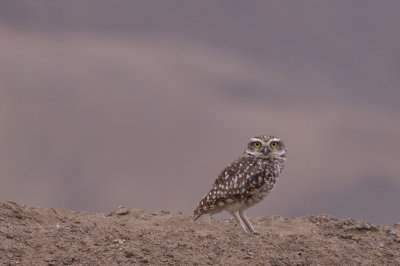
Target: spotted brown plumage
246,181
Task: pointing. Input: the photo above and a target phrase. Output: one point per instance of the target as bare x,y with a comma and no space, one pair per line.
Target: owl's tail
197,213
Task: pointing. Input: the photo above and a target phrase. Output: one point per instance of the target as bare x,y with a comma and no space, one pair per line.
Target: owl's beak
265,150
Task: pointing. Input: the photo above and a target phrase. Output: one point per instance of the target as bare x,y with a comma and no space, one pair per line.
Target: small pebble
122,211
128,254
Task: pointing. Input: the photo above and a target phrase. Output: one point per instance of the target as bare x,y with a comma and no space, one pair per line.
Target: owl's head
266,147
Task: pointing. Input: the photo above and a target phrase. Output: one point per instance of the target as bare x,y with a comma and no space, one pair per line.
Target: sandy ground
40,236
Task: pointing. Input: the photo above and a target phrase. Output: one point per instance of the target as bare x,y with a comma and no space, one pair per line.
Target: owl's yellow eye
273,144
257,144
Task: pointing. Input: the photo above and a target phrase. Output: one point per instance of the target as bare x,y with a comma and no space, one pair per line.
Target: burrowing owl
246,181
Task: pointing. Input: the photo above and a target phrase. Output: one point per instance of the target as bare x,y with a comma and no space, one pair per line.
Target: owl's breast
262,191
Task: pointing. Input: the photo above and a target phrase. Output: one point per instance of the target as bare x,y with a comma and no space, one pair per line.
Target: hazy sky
138,103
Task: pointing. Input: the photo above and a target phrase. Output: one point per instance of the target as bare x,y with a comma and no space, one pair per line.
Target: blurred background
143,103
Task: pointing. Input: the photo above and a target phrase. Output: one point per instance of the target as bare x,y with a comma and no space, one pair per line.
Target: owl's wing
236,181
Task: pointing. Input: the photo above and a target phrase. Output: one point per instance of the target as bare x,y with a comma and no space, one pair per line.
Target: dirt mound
39,236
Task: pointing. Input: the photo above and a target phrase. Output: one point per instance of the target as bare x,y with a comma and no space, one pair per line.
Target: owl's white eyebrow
255,139
274,139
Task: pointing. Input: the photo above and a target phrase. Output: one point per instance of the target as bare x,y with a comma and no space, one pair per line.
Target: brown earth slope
40,236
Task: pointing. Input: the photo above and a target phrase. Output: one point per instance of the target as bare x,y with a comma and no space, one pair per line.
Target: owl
246,181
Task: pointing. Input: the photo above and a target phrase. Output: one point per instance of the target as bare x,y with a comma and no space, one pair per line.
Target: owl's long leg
247,222
240,221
